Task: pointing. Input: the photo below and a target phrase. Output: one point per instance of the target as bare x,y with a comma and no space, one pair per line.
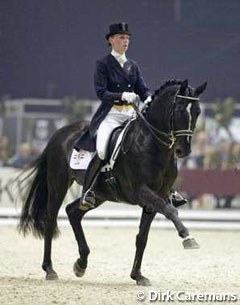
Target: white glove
148,100
146,104
129,97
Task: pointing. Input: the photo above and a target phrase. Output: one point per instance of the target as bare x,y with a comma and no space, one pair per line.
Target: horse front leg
141,241
170,212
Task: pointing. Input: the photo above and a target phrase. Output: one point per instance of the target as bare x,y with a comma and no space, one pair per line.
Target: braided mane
168,83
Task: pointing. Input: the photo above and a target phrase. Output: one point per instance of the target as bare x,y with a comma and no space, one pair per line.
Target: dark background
49,48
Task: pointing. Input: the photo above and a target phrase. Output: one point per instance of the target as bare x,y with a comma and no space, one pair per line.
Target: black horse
144,175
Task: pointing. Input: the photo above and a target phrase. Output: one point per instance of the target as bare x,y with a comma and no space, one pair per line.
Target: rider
118,83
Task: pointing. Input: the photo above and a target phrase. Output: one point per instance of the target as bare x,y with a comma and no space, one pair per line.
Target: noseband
167,139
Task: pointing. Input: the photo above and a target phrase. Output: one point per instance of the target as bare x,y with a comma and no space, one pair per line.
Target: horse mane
168,83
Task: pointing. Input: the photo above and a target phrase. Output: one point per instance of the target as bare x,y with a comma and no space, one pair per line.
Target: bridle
188,97
189,131
167,139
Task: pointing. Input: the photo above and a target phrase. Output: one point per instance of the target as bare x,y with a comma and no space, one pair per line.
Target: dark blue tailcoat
110,81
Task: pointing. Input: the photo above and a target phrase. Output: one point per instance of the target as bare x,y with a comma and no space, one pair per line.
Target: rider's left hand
148,100
146,103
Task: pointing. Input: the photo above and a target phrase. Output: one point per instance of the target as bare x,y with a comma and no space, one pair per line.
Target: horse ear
185,84
200,89
183,87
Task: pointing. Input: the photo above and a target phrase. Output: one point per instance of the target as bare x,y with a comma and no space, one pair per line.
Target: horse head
173,114
186,111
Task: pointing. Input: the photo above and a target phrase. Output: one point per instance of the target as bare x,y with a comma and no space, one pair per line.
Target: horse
144,175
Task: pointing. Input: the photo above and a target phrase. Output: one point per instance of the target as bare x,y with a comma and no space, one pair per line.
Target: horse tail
33,212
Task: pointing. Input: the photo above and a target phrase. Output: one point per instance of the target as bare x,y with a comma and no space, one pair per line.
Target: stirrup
177,199
87,200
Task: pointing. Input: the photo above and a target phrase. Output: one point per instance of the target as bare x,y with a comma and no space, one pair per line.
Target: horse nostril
178,151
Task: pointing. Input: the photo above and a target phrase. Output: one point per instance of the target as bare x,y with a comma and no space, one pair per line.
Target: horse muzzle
182,152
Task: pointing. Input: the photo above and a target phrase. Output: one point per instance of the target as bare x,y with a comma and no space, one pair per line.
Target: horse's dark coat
145,175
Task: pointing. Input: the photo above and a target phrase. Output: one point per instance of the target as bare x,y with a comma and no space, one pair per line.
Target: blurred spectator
211,159
224,155
199,147
234,158
25,156
219,158
3,150
196,158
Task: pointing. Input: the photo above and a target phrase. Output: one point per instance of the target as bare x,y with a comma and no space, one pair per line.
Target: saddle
82,154
124,141
113,141
119,141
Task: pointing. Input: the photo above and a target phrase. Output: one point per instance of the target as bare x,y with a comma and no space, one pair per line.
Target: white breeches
113,119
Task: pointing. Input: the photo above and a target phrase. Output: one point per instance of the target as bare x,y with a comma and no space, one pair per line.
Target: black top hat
118,28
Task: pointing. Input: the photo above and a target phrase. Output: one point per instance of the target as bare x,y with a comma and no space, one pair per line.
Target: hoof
190,243
78,270
143,281
52,276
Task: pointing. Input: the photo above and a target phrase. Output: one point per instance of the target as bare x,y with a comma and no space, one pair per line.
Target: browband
188,97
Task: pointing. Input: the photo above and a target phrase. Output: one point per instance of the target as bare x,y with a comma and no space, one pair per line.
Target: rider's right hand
129,97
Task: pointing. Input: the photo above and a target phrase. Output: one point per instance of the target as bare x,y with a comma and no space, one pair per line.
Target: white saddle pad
80,159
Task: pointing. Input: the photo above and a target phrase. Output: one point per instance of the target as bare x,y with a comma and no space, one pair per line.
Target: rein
154,131
170,137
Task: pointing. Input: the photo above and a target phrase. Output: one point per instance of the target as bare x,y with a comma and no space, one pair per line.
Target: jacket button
129,85
118,85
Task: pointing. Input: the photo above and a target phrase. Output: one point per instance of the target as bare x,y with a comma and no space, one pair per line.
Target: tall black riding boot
176,199
88,196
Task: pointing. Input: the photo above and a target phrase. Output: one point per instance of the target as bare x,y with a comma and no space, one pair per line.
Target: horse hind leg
50,227
75,216
54,204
